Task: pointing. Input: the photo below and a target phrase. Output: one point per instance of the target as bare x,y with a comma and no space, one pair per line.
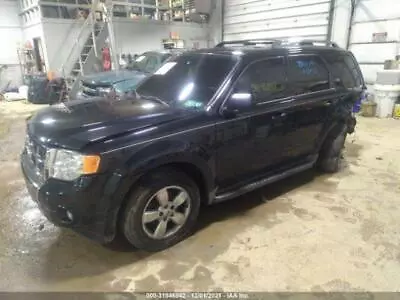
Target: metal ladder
85,52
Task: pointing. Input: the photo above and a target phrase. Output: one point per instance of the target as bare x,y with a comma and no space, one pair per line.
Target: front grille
89,90
36,154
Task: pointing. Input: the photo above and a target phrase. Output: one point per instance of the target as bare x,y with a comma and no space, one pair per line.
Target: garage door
258,19
375,34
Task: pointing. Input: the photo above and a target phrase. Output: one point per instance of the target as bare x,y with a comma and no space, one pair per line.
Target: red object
106,59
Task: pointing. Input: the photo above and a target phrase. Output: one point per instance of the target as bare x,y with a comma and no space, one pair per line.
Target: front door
250,144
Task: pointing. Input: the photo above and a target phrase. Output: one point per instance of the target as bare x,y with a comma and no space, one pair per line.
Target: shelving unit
158,10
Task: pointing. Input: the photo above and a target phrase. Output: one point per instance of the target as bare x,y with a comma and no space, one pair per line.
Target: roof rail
301,42
308,42
241,43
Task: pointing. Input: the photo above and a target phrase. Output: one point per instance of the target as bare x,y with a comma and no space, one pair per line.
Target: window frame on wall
67,9
44,12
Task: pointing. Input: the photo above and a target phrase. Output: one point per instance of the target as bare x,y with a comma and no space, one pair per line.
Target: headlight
69,165
104,91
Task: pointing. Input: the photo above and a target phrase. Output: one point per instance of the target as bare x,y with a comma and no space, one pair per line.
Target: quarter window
342,73
307,74
354,69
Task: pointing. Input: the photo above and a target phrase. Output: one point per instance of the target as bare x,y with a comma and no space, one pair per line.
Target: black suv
208,126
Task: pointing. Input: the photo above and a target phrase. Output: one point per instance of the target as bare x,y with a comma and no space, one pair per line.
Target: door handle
327,103
279,116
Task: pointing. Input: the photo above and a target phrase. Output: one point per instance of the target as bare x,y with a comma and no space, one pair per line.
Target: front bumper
84,205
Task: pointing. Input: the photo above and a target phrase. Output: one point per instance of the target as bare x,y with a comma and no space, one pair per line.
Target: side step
260,183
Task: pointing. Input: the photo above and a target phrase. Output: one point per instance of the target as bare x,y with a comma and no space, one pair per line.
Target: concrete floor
307,233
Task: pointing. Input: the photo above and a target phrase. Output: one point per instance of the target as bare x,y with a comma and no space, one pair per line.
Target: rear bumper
83,205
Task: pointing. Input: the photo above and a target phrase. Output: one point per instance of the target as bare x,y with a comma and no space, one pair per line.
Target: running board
255,185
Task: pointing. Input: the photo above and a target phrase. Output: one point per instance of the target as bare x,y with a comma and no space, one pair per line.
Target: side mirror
237,102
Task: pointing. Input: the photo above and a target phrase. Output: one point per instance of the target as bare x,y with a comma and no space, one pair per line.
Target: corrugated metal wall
375,16
256,19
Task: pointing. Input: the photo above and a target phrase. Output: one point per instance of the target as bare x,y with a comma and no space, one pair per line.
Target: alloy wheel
166,212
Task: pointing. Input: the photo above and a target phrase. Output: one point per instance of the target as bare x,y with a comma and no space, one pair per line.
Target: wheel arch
197,173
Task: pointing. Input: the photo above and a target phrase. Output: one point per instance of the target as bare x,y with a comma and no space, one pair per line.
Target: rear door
312,104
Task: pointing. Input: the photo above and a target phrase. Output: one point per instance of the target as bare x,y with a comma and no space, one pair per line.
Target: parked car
124,80
208,126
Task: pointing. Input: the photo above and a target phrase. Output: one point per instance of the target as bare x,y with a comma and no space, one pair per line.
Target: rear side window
344,71
307,74
264,80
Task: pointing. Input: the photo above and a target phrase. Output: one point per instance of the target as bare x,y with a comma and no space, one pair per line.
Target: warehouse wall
341,22
375,16
252,19
11,33
60,36
257,19
131,36
216,23
138,36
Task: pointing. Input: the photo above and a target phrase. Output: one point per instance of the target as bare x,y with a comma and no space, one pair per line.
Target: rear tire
164,199
331,152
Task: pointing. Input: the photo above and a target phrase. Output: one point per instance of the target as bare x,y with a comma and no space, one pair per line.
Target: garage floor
310,232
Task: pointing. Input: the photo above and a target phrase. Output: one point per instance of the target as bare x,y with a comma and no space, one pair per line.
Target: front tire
161,210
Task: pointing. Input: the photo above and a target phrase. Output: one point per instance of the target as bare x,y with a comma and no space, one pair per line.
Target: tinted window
264,80
189,80
147,62
342,74
350,61
307,74
152,64
165,57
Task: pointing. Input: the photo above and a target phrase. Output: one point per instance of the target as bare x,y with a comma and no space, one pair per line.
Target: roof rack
308,42
242,43
274,42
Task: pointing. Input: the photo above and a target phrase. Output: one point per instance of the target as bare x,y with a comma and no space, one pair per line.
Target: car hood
111,77
77,124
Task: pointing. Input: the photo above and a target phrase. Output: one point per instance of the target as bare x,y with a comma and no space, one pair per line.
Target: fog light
70,216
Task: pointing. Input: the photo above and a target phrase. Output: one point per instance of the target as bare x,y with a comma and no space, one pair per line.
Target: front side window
307,74
264,81
189,80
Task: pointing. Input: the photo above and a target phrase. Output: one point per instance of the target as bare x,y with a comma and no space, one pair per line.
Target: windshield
147,62
189,80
